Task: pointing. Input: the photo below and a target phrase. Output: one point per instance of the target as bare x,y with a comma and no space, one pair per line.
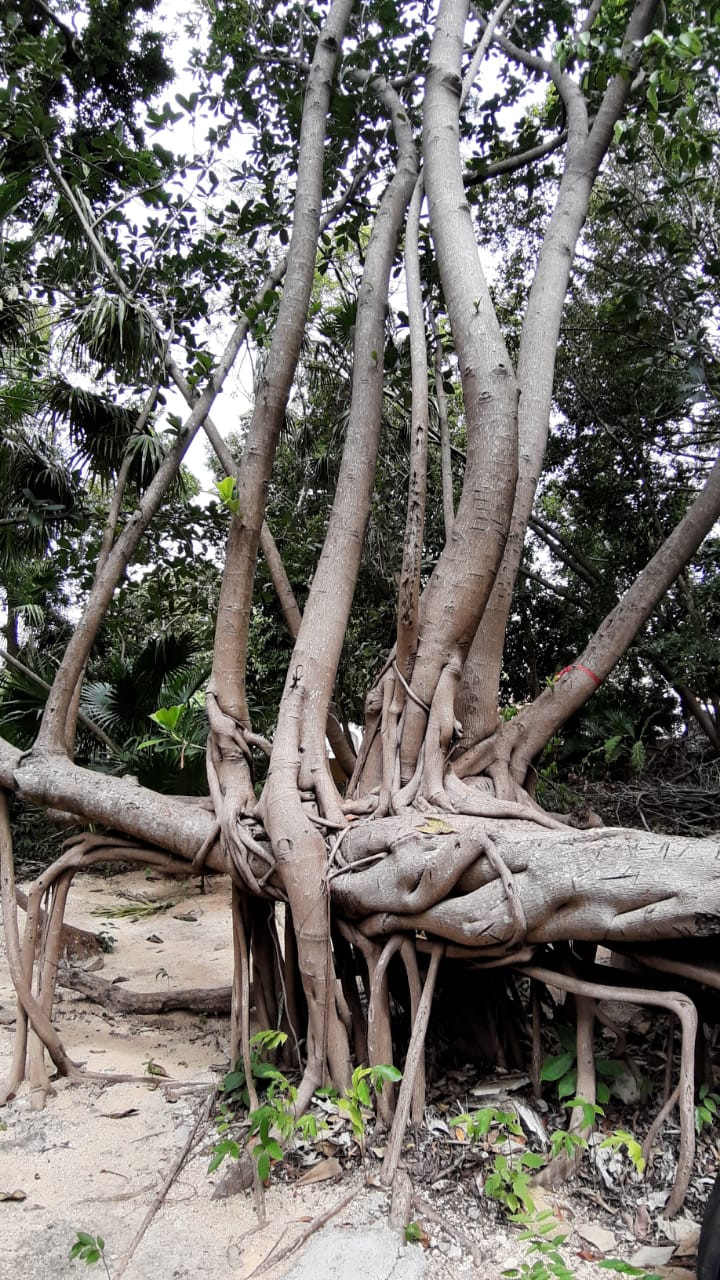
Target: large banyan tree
361,138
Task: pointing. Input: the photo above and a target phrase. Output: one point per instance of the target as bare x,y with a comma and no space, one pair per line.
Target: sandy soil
97,1156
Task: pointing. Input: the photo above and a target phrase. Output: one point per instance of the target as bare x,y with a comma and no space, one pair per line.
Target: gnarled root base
502,893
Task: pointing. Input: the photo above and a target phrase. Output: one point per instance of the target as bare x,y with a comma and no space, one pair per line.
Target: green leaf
168,717
557,1066
568,1084
384,1074
227,489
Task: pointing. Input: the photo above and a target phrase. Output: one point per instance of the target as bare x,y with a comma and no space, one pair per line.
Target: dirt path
96,1157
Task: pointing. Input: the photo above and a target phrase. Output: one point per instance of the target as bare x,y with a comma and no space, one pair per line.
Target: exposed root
42,949
415,1051
466,1244
684,1010
479,803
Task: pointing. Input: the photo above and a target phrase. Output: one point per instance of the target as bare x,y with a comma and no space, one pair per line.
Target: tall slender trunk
298,760
586,148
230,778
521,740
455,598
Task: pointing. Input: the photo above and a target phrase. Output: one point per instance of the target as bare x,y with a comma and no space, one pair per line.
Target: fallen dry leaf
641,1223
684,1233
651,1255
599,1237
13,1195
321,1172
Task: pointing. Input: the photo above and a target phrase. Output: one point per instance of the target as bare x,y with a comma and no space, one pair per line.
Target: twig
202,1118
441,1220
310,1230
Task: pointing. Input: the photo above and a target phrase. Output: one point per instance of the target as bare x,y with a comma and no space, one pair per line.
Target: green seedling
89,1249
357,1098
706,1108
267,1126
620,1140
564,1142
479,1123
549,1263
509,1181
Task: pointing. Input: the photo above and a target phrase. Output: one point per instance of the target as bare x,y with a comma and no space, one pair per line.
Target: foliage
706,1107
89,1249
550,1262
561,1069
276,1115
358,1101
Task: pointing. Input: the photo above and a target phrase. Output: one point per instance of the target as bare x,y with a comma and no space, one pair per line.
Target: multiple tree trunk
435,834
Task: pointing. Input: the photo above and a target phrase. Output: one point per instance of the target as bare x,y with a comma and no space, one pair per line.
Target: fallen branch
111,995
273,1257
202,1118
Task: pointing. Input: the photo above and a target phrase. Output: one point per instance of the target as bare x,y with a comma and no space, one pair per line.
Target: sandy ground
97,1156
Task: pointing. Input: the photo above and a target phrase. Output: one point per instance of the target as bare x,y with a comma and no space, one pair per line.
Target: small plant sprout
89,1249
620,1140
706,1108
566,1143
227,490
358,1097
509,1181
549,1264
270,1124
477,1124
414,1234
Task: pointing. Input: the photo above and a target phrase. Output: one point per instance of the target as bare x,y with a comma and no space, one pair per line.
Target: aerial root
564,1165
345,968
41,951
415,1052
684,1010
240,1023
379,1027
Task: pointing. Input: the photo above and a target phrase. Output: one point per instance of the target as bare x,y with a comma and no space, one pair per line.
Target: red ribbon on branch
578,666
